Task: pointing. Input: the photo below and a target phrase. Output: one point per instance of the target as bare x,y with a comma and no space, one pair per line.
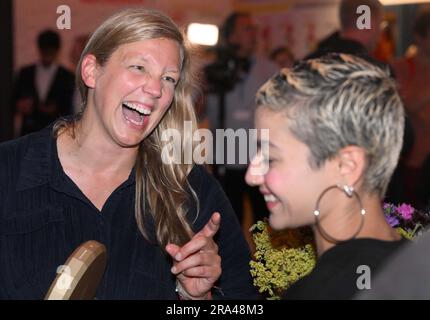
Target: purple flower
389,208
387,205
392,221
406,211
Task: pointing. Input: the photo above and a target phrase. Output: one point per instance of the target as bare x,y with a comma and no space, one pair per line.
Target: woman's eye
266,160
170,79
139,68
269,161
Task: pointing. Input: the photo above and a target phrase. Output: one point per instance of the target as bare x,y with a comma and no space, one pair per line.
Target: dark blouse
44,216
336,273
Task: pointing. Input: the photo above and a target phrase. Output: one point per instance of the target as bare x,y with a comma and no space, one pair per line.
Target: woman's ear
352,163
88,70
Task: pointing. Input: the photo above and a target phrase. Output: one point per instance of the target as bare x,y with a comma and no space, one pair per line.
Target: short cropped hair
340,100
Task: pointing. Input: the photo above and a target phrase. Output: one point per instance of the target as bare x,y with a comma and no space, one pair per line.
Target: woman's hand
196,264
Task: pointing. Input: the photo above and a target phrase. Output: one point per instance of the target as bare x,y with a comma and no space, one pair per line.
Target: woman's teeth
139,108
269,198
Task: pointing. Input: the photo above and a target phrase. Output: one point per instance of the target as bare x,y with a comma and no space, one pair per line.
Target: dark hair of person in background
282,56
49,40
229,25
349,39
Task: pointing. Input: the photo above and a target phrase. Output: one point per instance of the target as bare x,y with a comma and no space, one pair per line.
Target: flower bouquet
408,221
283,257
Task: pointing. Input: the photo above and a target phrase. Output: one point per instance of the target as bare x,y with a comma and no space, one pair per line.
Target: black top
336,273
44,216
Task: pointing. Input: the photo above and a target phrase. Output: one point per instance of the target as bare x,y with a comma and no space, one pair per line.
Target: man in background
413,75
42,91
231,102
350,39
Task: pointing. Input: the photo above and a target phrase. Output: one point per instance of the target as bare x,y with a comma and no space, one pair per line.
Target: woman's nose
256,171
152,86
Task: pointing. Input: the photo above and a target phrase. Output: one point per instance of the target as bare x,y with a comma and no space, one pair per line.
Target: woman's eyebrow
140,57
134,55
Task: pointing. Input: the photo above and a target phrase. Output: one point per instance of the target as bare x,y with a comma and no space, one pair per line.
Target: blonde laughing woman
169,230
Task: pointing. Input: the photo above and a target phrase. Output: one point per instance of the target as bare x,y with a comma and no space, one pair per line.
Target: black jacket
59,94
44,216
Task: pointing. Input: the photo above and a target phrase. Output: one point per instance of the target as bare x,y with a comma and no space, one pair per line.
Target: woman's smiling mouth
136,114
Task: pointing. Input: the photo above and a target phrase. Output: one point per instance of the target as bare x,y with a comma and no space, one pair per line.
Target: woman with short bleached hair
336,126
169,231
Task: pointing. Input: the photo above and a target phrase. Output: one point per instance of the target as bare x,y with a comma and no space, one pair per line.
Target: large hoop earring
350,192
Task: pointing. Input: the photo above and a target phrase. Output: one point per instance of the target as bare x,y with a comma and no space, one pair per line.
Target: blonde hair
340,100
162,190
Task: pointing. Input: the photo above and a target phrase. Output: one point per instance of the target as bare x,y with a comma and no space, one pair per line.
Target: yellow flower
281,258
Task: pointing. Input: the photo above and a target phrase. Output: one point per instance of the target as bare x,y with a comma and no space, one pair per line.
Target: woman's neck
345,223
93,151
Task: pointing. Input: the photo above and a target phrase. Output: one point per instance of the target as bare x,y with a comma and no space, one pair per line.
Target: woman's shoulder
362,251
207,187
202,180
13,152
337,270
16,148
210,195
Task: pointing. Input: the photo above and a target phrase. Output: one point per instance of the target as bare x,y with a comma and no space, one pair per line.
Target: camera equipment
221,77
224,73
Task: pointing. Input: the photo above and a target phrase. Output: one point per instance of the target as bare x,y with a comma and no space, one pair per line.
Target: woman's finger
208,272
200,259
195,245
212,227
172,249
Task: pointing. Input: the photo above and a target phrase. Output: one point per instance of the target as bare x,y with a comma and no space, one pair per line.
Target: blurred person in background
42,91
413,74
386,48
349,38
282,56
233,81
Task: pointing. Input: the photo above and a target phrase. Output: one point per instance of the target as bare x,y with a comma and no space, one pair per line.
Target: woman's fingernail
173,269
178,257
